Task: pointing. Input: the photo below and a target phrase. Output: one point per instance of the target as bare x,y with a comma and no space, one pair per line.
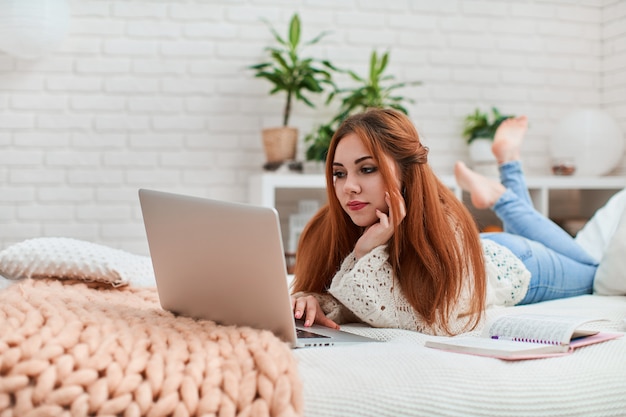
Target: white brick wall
156,94
613,64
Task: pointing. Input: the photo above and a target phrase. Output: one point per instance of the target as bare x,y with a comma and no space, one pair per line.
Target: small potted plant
479,129
373,91
294,76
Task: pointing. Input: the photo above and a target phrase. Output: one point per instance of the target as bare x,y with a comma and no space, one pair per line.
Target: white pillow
595,236
610,277
65,258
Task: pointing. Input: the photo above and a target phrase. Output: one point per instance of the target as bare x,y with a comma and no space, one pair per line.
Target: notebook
224,262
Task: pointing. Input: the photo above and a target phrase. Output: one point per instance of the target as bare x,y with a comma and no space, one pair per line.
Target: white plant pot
480,150
481,157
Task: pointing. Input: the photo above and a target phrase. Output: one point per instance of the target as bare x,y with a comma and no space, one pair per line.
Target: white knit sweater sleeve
369,289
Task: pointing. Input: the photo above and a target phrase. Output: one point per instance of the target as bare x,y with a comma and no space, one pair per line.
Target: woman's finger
325,321
402,210
311,313
299,307
383,218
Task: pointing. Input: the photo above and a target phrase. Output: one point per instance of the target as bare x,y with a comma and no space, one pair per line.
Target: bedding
609,278
66,258
401,377
73,348
75,345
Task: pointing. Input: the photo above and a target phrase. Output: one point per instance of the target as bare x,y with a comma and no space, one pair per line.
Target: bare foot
484,192
508,138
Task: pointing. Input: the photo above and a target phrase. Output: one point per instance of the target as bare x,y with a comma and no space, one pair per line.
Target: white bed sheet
401,377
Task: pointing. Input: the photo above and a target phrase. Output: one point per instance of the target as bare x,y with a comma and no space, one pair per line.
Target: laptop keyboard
305,334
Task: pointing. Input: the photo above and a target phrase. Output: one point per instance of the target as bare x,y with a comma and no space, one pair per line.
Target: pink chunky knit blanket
73,349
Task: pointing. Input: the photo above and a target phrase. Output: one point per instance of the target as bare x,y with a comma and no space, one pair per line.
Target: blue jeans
558,266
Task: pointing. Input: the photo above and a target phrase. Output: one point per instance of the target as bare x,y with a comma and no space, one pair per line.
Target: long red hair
434,251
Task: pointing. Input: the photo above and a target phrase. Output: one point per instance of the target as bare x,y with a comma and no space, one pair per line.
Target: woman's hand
379,233
308,307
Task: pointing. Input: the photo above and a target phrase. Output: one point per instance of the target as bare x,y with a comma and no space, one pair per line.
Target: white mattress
401,377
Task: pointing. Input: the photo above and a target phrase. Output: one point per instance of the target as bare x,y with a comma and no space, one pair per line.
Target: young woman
394,247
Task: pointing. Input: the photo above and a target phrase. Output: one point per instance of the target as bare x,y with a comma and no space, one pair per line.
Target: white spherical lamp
591,140
32,28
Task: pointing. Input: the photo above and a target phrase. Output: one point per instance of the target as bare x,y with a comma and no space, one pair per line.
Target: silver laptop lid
219,261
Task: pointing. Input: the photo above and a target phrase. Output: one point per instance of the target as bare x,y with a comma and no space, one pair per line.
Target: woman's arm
322,309
368,288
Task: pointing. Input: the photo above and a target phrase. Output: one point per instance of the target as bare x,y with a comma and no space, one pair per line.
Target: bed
82,333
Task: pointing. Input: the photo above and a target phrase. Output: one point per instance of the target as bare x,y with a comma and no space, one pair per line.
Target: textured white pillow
65,258
599,230
610,277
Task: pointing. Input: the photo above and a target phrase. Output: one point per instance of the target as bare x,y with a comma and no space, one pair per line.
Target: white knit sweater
367,289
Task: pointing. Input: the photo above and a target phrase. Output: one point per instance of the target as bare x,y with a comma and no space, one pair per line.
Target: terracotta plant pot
280,144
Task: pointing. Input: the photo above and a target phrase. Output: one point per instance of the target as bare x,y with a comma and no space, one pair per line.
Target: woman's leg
523,220
506,148
510,199
559,267
512,177
553,275
517,216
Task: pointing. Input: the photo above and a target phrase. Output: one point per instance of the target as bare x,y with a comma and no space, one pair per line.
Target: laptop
224,262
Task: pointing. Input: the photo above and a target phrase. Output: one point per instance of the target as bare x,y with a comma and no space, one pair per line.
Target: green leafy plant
375,90
291,73
319,141
482,125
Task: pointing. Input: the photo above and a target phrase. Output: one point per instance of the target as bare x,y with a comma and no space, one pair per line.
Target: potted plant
375,90
294,76
479,129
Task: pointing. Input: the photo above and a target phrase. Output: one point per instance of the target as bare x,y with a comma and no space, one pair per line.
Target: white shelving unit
263,187
558,197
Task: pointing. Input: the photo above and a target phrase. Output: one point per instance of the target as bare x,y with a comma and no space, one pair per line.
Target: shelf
557,197
263,186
